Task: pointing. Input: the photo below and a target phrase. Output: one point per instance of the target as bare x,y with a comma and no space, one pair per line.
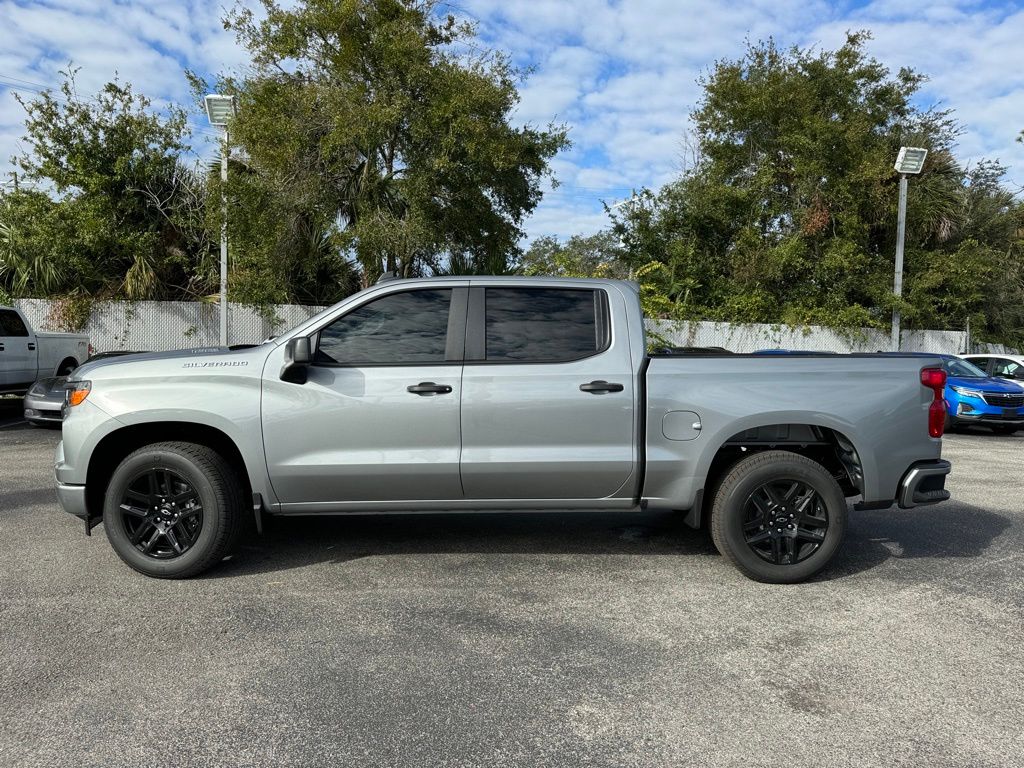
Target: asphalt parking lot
495,640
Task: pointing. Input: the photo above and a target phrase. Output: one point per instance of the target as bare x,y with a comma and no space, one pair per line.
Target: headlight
37,389
75,392
965,392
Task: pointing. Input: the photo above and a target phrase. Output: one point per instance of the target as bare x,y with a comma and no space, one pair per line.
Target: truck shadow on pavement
295,542
950,530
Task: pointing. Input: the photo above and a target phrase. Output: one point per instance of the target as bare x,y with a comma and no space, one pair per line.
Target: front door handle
428,388
600,387
32,346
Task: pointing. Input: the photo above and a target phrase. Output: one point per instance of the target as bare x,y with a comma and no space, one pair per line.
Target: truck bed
875,403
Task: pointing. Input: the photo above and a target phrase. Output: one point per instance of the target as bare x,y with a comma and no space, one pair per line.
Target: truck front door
17,352
547,395
378,418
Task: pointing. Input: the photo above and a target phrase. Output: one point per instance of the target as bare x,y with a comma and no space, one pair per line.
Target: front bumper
72,499
924,483
971,410
72,496
988,418
42,409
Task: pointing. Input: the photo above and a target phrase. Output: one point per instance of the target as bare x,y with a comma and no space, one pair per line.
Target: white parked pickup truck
26,356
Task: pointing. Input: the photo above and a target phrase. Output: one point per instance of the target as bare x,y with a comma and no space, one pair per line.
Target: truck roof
503,278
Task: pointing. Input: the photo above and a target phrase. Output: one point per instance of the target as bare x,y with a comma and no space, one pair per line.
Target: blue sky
622,74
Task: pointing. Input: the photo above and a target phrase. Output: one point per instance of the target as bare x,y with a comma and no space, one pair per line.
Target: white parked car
1000,366
26,356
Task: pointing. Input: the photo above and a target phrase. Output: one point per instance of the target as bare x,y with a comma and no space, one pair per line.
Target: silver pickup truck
495,393
26,356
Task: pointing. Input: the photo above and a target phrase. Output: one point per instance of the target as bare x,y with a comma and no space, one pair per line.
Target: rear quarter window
11,324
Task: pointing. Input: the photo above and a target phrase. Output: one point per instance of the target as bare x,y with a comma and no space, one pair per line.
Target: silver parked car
472,393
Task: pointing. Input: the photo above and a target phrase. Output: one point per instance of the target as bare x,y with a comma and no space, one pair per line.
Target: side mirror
297,357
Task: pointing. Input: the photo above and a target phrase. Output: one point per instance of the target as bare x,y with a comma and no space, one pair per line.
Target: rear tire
173,510
778,517
67,367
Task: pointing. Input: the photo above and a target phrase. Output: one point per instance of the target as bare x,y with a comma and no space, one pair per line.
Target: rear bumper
924,483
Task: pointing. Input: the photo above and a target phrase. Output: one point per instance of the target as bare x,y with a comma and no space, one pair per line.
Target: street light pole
909,161
897,284
224,241
220,109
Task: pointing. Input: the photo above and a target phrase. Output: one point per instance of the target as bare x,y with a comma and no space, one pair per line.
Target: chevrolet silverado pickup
495,393
26,356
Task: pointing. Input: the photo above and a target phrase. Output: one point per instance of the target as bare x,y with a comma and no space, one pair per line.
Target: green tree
601,255
381,127
114,211
598,254
789,212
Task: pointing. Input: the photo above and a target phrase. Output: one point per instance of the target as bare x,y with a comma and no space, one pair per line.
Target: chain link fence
737,337
162,325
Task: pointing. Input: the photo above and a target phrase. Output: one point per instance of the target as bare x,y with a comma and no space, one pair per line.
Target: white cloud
629,127
622,75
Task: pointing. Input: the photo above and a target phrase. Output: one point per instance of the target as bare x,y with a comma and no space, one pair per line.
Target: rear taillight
92,350
935,380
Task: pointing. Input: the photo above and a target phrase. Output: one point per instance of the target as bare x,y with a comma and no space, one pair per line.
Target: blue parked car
973,397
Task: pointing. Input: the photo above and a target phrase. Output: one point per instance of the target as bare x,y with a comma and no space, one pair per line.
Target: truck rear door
17,351
547,395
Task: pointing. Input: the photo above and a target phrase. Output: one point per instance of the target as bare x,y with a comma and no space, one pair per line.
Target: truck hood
198,359
987,384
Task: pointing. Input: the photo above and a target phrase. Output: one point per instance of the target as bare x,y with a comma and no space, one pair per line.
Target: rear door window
544,325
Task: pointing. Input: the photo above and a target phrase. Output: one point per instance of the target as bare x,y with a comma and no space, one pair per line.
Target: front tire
172,510
778,517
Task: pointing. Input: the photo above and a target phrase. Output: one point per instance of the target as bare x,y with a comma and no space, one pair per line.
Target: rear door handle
31,346
428,388
600,387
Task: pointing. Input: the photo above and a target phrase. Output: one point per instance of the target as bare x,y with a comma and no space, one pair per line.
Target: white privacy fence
161,325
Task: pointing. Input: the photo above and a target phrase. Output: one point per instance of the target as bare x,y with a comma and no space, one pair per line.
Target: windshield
963,369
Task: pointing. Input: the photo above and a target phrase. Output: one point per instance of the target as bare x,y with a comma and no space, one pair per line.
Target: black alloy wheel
785,521
777,516
162,513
